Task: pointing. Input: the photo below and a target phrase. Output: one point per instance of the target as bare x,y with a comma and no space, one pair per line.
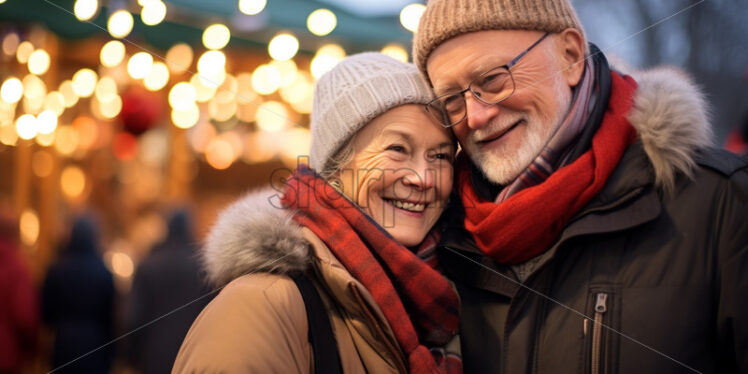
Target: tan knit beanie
445,19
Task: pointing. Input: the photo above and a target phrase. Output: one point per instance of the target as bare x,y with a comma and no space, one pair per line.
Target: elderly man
598,232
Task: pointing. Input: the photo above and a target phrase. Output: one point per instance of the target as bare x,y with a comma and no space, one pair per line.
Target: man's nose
478,113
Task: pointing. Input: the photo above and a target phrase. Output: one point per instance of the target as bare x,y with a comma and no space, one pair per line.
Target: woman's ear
571,48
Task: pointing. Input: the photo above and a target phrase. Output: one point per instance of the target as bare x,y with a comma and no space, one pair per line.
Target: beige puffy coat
257,323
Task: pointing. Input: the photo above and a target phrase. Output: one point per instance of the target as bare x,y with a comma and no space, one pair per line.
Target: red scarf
530,221
394,275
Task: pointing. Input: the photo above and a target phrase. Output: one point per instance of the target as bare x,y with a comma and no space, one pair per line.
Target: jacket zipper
601,306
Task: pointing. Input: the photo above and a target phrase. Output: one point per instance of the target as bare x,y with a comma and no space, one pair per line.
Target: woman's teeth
408,206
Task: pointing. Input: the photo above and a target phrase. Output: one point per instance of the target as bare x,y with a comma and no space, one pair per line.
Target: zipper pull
601,305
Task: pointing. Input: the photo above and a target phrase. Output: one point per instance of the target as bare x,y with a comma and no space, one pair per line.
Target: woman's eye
443,156
396,148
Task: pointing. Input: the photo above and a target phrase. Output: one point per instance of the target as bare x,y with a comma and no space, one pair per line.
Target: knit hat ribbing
445,19
354,92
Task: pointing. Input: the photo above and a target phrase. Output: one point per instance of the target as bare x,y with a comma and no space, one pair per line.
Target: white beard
501,167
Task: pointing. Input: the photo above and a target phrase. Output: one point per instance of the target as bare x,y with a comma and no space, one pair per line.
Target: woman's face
401,172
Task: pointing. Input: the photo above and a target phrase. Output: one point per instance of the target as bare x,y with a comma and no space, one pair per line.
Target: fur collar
670,115
254,235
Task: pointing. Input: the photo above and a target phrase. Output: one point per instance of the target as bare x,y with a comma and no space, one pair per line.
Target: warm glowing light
139,65
46,122
122,265
321,64
287,70
158,77
321,22
68,93
296,143
84,82
45,140
106,89
12,90
272,116
8,135
10,43
179,58
87,130
112,53
66,140
72,181
153,13
120,24
85,9
283,46
332,50
182,96
266,79
411,15
204,92
185,119
201,135
29,227
222,110
42,163
214,80
38,62
24,51
216,36
396,51
219,153
252,7
27,127
299,94
55,102
34,88
110,108
260,146
226,92
211,63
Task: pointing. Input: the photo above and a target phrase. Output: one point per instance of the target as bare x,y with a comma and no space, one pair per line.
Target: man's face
504,138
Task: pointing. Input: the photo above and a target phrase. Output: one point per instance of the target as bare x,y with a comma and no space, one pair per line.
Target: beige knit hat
354,92
445,19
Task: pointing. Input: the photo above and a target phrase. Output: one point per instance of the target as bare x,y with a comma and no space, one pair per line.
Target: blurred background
126,125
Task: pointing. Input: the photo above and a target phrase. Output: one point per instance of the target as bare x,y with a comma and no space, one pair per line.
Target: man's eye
452,103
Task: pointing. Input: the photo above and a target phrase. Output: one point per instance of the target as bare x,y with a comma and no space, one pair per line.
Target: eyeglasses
491,87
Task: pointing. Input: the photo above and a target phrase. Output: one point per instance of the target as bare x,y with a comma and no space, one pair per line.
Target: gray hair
334,166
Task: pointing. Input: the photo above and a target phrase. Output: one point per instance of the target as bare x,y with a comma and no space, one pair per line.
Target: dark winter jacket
168,283
77,303
649,277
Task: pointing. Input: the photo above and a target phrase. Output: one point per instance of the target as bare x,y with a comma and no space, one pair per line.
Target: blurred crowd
76,321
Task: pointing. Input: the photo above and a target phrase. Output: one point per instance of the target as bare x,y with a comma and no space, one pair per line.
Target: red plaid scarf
527,223
396,278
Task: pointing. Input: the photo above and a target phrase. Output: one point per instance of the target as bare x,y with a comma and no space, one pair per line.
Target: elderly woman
359,232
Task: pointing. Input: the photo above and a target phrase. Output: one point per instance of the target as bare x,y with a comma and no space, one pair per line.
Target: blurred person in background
169,283
19,309
360,235
77,304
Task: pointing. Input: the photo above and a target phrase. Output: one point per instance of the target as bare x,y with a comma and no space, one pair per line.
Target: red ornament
141,110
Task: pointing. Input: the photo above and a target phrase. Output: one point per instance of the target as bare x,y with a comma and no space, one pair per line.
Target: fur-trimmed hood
255,235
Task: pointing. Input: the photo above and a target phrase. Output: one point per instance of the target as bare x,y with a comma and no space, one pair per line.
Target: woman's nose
422,177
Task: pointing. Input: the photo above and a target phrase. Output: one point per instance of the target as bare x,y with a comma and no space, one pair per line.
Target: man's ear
571,47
